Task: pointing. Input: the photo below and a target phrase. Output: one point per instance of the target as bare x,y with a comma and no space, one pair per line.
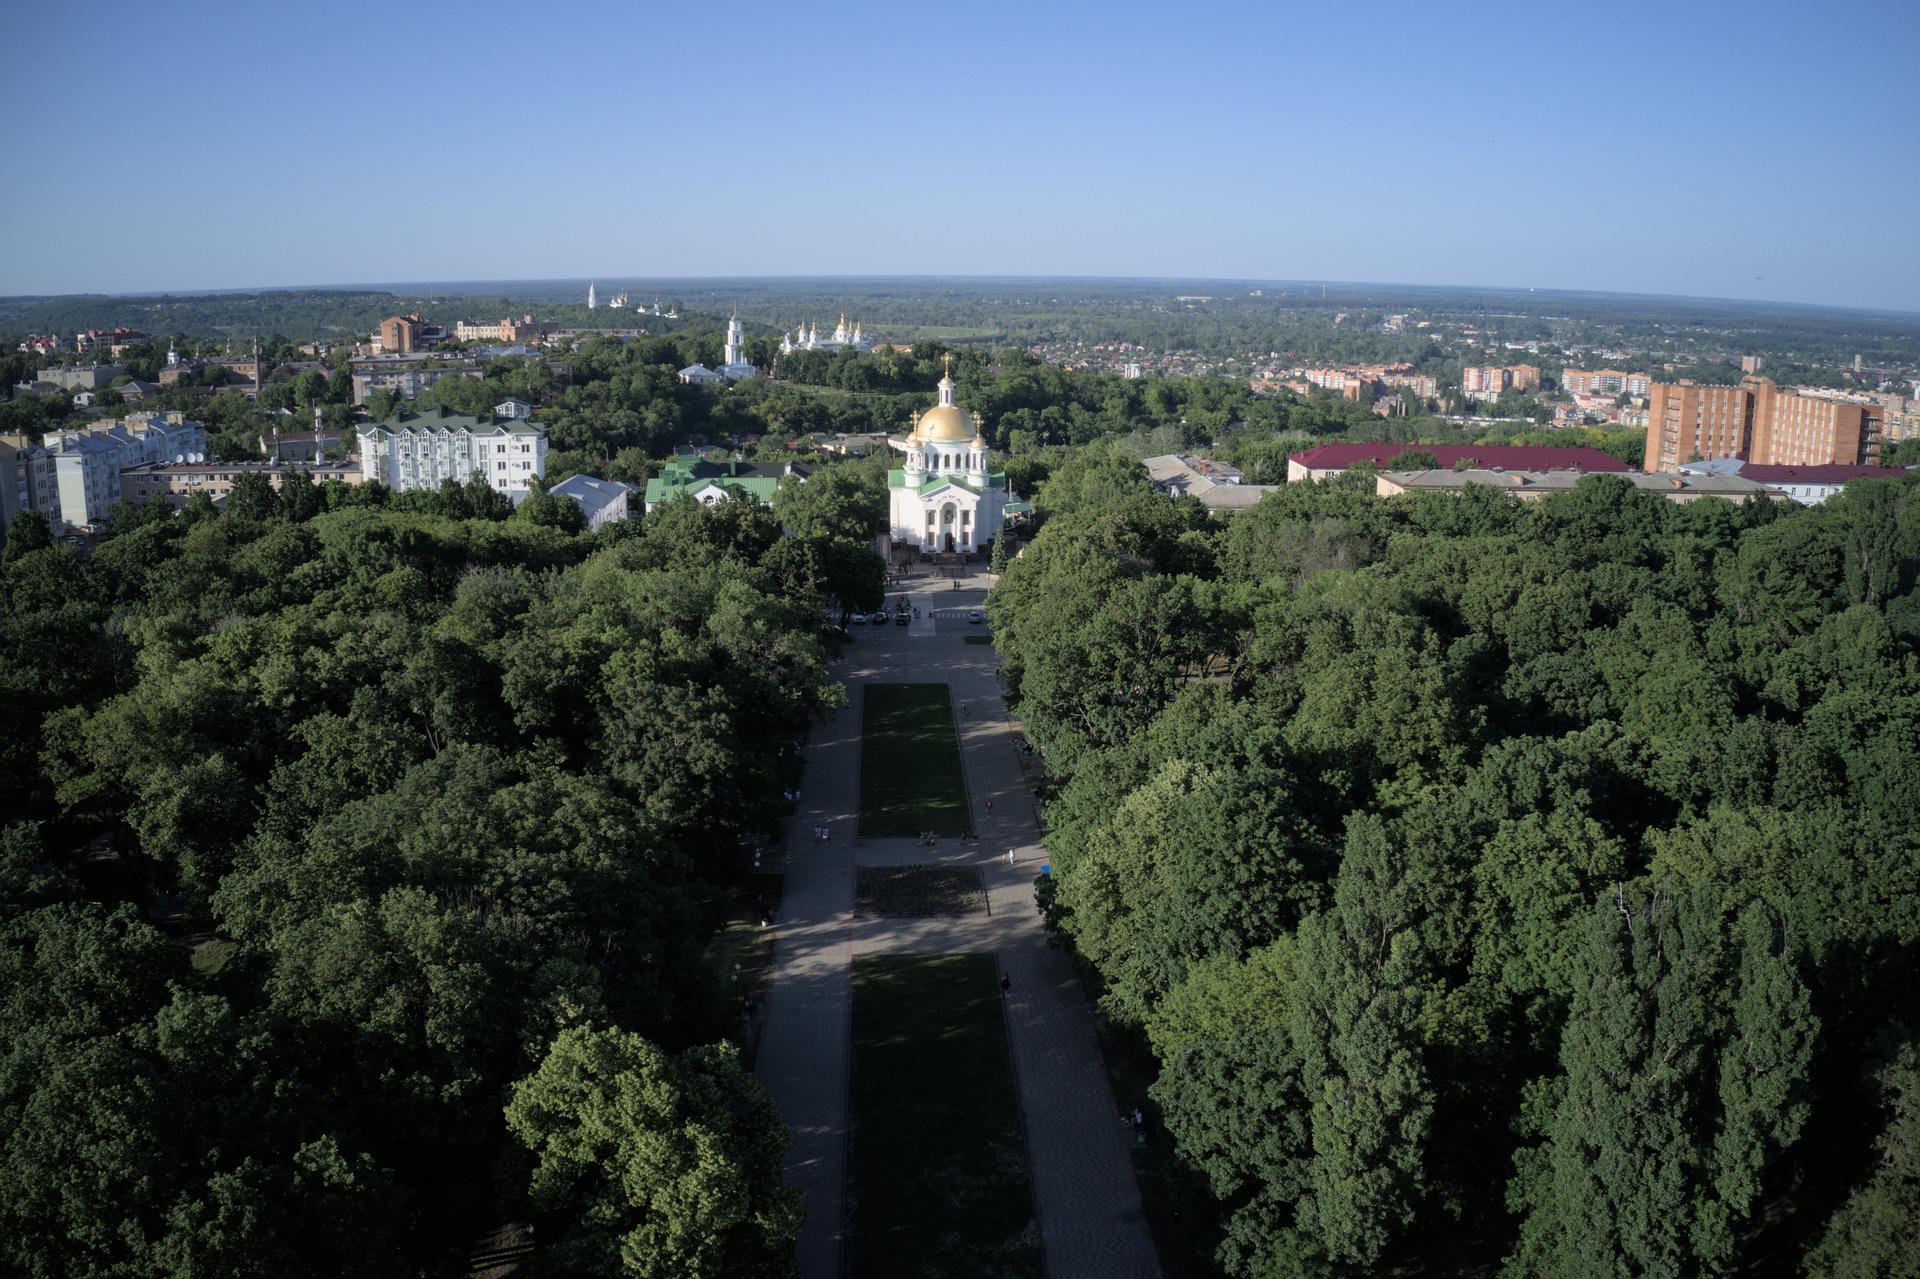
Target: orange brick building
400,332
1761,422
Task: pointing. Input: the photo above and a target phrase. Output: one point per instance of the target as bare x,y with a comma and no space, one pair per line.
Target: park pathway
1087,1200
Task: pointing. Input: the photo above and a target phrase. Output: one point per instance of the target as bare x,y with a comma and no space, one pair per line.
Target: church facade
943,499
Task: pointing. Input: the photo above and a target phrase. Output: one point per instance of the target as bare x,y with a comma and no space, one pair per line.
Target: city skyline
1502,148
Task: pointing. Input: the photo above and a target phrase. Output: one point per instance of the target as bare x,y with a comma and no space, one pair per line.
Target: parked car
857,619
901,619
880,617
975,616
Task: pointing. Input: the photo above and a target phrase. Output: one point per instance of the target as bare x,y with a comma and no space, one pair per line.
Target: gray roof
593,495
1663,485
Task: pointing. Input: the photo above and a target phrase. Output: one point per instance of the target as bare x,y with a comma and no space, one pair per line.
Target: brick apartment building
1604,382
401,334
1489,382
1761,422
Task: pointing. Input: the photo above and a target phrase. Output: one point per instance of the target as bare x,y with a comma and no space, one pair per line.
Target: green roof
686,475
897,479
665,488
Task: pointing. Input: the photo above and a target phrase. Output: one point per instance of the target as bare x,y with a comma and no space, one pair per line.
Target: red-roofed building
1329,460
1808,485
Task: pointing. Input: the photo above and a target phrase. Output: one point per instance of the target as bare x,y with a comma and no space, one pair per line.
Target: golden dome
946,424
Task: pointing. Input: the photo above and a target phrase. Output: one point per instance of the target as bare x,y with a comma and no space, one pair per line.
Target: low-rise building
1214,484
299,446
423,450
175,483
1329,460
710,482
1532,485
1808,485
601,501
81,377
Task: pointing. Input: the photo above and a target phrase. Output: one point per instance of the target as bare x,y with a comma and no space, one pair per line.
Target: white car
857,619
975,617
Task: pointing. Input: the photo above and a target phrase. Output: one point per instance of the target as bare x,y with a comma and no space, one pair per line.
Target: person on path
989,807
1006,983
1009,857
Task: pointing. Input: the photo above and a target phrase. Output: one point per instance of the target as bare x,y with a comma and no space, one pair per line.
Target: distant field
910,776
938,1183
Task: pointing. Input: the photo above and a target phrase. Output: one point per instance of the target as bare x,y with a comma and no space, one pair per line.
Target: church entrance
949,522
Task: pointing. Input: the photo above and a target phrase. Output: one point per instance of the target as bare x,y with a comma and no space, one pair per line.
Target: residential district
1753,440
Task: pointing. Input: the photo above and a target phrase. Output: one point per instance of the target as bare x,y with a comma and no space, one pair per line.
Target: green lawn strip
910,778
938,1184
911,891
979,639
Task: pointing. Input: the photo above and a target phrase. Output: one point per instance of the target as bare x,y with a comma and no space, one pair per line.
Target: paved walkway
1088,1202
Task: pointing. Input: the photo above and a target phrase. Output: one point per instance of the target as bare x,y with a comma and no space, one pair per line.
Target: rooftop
1505,457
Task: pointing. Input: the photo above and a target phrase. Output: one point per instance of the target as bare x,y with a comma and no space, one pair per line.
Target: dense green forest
359,855
1529,888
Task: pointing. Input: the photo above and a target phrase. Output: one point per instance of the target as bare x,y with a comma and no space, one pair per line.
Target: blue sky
1762,150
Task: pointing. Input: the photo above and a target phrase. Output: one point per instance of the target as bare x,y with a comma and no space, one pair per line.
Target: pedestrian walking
1009,857
1006,983
989,806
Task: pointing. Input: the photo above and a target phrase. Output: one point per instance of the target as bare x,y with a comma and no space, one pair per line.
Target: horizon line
1520,289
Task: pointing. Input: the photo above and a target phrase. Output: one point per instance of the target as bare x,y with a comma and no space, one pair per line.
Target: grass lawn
919,891
937,1180
910,779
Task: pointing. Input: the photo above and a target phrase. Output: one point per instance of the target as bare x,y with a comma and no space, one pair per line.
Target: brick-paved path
1089,1204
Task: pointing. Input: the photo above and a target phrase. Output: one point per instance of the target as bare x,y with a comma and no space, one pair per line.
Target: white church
944,500
807,338
736,368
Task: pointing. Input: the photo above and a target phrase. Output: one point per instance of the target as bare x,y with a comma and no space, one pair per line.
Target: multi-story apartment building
406,376
27,478
1763,423
1483,382
1489,382
400,334
1604,382
88,460
423,450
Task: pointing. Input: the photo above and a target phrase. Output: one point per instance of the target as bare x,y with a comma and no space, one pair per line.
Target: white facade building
424,450
86,462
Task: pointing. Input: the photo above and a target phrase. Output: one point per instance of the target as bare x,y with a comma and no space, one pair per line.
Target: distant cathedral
807,338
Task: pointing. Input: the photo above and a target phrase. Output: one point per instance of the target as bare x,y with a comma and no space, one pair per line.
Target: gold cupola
946,422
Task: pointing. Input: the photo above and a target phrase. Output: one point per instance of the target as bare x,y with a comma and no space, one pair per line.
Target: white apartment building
86,463
424,450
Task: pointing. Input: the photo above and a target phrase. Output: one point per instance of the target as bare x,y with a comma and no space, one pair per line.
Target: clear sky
1754,149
